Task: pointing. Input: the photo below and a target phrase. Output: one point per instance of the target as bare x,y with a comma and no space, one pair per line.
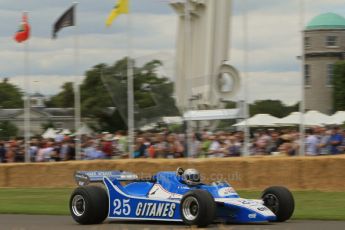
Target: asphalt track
35,222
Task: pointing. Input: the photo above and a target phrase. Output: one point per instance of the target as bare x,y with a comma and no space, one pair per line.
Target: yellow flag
120,8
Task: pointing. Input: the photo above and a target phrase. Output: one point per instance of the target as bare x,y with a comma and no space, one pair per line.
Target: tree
7,129
106,86
104,95
339,86
48,125
10,95
273,107
64,99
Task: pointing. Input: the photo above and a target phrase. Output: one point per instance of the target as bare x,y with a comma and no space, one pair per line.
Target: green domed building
326,21
324,45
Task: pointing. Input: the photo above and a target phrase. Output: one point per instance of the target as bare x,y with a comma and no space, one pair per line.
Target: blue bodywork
159,198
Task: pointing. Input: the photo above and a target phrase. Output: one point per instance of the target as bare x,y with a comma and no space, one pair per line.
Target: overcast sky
274,40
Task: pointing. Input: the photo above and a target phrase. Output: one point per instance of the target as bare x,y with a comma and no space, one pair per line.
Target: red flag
24,30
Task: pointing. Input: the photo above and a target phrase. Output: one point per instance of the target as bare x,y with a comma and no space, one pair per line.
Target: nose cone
246,211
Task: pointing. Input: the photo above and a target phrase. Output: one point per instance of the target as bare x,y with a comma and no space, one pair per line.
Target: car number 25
121,207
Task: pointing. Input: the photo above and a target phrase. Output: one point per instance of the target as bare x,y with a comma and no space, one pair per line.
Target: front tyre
280,201
198,208
89,205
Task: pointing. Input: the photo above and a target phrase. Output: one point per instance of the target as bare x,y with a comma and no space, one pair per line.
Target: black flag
67,19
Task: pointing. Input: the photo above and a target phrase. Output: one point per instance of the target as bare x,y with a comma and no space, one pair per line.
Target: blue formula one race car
172,196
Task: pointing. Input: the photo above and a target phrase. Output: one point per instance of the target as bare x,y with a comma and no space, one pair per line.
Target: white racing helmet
191,177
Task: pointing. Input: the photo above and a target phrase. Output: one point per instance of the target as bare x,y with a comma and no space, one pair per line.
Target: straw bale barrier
326,173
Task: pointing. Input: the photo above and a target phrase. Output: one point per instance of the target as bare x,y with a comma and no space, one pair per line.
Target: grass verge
313,205
309,204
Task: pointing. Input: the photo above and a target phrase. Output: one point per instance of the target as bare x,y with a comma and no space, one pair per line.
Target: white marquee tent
84,130
49,133
66,132
311,118
292,119
148,127
338,118
260,120
172,120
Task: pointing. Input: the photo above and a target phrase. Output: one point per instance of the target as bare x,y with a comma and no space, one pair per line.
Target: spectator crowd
164,144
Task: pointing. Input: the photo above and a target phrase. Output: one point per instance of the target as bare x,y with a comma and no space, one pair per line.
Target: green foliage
339,86
273,107
230,104
176,128
47,125
64,99
105,87
10,95
7,130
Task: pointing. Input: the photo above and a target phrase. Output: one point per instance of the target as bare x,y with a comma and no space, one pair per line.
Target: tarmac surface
36,222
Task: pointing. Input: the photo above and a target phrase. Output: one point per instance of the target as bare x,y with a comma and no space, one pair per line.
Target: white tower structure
202,51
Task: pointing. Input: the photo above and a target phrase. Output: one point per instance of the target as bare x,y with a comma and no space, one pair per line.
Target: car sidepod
125,206
240,210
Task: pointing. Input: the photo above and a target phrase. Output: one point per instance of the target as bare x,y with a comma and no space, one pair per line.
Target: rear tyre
280,201
89,205
198,208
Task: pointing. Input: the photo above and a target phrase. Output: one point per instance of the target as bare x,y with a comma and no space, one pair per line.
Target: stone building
39,115
324,45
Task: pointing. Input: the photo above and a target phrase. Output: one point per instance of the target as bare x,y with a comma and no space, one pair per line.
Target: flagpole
77,110
246,81
302,104
27,99
188,73
130,87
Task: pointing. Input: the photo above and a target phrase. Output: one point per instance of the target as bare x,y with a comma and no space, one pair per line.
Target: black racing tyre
89,205
198,208
280,201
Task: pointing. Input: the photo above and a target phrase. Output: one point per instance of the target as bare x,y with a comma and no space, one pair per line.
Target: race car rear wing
86,177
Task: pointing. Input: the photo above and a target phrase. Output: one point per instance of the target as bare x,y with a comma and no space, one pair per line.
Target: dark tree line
104,95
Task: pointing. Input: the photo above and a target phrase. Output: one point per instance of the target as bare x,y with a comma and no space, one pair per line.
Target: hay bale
298,173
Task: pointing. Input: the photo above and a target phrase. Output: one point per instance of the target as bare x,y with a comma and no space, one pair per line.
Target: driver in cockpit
190,177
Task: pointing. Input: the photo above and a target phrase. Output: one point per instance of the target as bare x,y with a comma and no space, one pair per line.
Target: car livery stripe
107,181
138,218
251,205
160,188
120,206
